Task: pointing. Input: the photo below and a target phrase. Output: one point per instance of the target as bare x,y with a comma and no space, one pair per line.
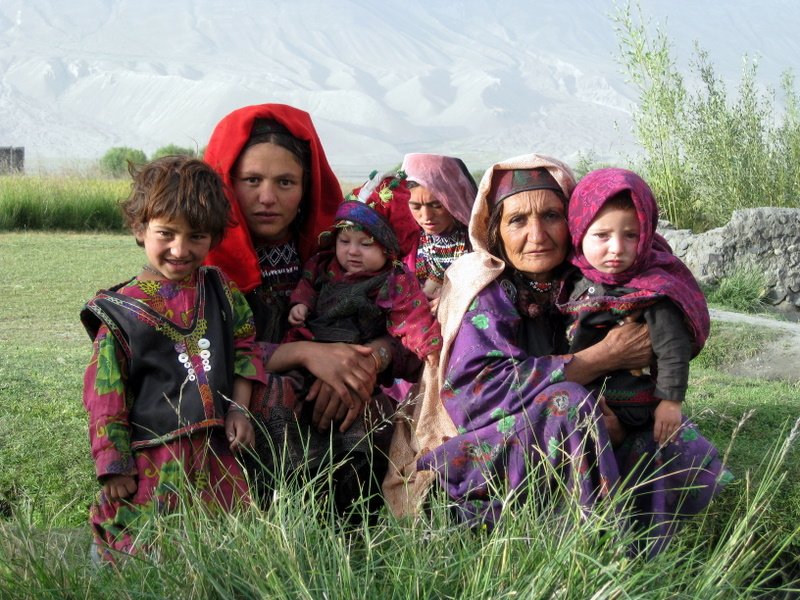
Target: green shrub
743,291
115,161
705,154
174,150
586,162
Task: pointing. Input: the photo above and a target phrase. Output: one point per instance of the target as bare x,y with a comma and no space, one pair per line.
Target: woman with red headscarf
283,194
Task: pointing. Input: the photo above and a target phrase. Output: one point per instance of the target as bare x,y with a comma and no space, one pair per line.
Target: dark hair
493,241
621,201
465,171
177,187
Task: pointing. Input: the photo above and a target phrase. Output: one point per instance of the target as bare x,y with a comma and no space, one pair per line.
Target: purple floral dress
514,411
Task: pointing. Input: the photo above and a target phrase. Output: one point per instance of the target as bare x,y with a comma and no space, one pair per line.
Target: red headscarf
236,254
655,268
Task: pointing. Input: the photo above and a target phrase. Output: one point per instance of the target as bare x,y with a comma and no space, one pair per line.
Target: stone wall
766,239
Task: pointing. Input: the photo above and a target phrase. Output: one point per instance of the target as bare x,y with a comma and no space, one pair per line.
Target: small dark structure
12,160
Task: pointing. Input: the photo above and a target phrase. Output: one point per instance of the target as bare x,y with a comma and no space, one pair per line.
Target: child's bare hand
298,314
668,420
239,430
616,430
432,360
118,487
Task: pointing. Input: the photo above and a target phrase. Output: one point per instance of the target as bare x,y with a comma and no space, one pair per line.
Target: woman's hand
624,347
119,487
628,346
331,408
348,369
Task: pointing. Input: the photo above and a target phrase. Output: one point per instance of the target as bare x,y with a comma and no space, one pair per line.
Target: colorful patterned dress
513,411
434,253
191,451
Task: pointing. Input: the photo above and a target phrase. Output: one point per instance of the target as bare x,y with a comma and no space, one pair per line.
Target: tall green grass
744,291
61,202
707,152
297,548
742,546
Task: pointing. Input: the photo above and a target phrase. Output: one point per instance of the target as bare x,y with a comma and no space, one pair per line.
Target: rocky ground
780,359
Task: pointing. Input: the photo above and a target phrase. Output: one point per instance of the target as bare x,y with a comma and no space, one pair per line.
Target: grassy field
43,350
295,549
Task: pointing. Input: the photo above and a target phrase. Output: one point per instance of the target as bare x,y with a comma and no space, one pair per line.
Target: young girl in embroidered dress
628,270
174,356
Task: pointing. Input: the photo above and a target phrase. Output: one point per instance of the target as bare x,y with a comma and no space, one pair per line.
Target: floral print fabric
513,411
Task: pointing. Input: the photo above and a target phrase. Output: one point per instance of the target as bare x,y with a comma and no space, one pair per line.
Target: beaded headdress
376,207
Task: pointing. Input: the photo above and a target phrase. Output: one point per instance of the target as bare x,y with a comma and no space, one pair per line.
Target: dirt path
780,359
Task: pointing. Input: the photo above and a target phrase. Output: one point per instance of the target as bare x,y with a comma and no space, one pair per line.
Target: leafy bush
115,161
174,150
706,155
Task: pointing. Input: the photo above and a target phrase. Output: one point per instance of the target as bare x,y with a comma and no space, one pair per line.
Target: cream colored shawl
423,423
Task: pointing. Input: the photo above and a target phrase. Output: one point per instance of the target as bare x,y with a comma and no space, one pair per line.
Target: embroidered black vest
179,379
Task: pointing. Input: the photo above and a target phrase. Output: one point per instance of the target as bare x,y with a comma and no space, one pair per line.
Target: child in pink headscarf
628,270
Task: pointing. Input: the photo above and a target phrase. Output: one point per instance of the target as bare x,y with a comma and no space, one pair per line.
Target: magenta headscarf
655,269
447,179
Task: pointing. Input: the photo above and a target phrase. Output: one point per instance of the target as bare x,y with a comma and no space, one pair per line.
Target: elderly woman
442,193
506,396
284,194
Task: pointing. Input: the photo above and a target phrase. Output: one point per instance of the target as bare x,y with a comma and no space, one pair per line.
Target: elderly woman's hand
625,347
628,346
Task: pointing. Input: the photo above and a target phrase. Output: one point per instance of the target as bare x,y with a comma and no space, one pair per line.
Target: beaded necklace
540,287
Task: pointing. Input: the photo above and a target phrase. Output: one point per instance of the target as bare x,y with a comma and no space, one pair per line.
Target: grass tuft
744,291
70,203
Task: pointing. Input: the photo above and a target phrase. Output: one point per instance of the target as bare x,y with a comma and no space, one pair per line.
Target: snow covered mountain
480,79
